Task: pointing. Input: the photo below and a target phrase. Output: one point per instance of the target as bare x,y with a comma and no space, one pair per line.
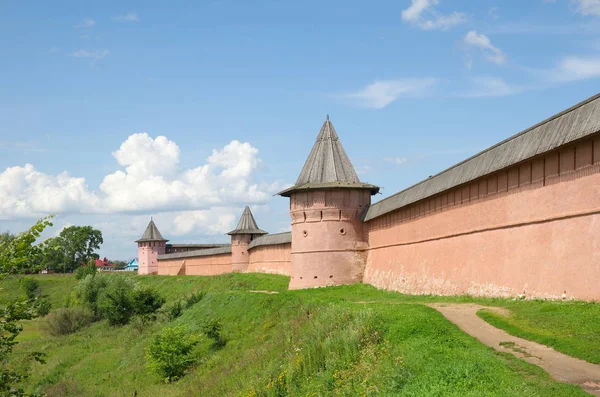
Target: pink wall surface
148,253
328,243
197,266
272,259
533,228
239,252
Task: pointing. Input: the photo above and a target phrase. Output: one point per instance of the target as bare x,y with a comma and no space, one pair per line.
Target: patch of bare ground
560,366
263,292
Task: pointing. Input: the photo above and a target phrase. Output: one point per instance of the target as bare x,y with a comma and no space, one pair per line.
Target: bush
147,300
116,298
115,302
30,286
213,329
83,271
88,292
65,321
171,353
191,300
43,307
173,309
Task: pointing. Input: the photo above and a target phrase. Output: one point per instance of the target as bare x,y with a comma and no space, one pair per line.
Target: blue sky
238,90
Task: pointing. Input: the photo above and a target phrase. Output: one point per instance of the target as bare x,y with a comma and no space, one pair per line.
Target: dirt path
560,366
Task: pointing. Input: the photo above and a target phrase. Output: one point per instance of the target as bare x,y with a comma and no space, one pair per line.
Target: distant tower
244,233
150,246
326,206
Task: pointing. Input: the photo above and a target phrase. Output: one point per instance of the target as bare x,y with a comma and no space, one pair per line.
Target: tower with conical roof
150,246
246,231
326,206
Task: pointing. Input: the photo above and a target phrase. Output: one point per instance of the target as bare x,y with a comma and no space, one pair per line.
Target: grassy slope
300,342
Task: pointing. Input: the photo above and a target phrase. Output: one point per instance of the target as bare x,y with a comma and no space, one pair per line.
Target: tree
20,253
5,239
79,244
17,255
119,265
74,246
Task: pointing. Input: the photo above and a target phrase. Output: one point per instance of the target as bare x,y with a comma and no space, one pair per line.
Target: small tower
246,231
326,206
150,246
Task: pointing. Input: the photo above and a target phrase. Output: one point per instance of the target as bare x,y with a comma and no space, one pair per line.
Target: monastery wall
532,228
272,259
208,262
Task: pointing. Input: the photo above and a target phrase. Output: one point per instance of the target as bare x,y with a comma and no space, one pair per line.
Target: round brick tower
246,231
150,246
326,206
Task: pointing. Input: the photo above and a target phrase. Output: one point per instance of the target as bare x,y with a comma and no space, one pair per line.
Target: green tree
74,246
17,255
5,239
119,265
21,254
54,257
79,244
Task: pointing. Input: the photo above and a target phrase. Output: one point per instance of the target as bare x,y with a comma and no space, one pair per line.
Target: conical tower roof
151,234
247,224
328,166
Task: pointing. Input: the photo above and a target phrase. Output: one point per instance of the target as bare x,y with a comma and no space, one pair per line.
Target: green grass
572,328
300,343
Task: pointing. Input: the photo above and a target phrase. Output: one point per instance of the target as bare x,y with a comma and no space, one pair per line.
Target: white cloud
588,7
481,41
27,192
218,220
85,24
574,68
396,160
422,13
381,93
52,50
150,181
99,54
129,17
490,87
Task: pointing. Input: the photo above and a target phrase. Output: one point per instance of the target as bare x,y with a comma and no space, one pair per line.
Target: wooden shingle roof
247,224
271,239
565,127
151,234
328,166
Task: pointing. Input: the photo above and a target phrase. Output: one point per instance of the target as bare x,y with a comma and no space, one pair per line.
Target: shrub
84,271
65,321
146,300
115,302
141,322
173,309
30,286
88,292
213,329
43,307
191,300
171,353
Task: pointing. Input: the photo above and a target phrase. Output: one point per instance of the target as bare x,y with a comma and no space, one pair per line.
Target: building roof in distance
151,234
328,166
247,224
